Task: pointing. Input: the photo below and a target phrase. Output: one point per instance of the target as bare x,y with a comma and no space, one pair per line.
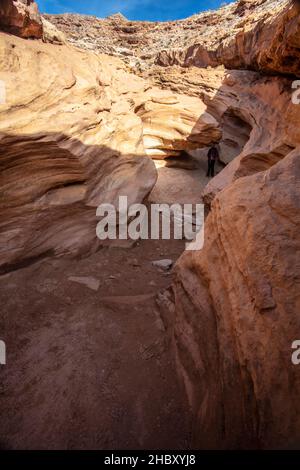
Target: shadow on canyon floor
89,363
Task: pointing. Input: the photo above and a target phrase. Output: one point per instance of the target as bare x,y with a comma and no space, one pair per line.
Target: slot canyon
107,347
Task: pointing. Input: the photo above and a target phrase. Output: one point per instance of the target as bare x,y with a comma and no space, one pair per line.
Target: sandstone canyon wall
236,314
235,303
259,122
78,131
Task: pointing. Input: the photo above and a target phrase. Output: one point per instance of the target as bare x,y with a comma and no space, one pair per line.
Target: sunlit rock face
52,34
261,121
173,123
235,314
235,303
21,17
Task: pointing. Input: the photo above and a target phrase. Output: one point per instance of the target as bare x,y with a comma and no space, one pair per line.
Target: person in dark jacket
212,157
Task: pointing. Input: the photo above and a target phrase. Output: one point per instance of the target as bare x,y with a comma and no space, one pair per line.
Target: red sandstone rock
21,17
237,304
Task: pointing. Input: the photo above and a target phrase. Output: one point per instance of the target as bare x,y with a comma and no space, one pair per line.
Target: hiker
212,156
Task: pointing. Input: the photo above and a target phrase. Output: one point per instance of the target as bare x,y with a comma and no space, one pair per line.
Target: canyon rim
143,344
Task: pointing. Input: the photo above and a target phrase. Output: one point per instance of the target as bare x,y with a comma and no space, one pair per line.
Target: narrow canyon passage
89,362
123,345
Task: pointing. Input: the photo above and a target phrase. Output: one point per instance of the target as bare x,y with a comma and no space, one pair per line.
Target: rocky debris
51,34
114,35
22,18
89,281
255,34
135,263
236,314
80,355
164,264
265,39
117,17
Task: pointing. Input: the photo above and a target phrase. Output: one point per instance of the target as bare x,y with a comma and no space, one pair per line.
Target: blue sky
155,10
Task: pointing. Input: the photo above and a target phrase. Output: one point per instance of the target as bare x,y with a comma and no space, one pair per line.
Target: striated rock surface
253,34
75,131
174,123
236,314
21,17
69,141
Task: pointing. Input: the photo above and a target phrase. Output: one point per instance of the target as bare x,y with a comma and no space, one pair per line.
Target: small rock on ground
90,282
164,264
